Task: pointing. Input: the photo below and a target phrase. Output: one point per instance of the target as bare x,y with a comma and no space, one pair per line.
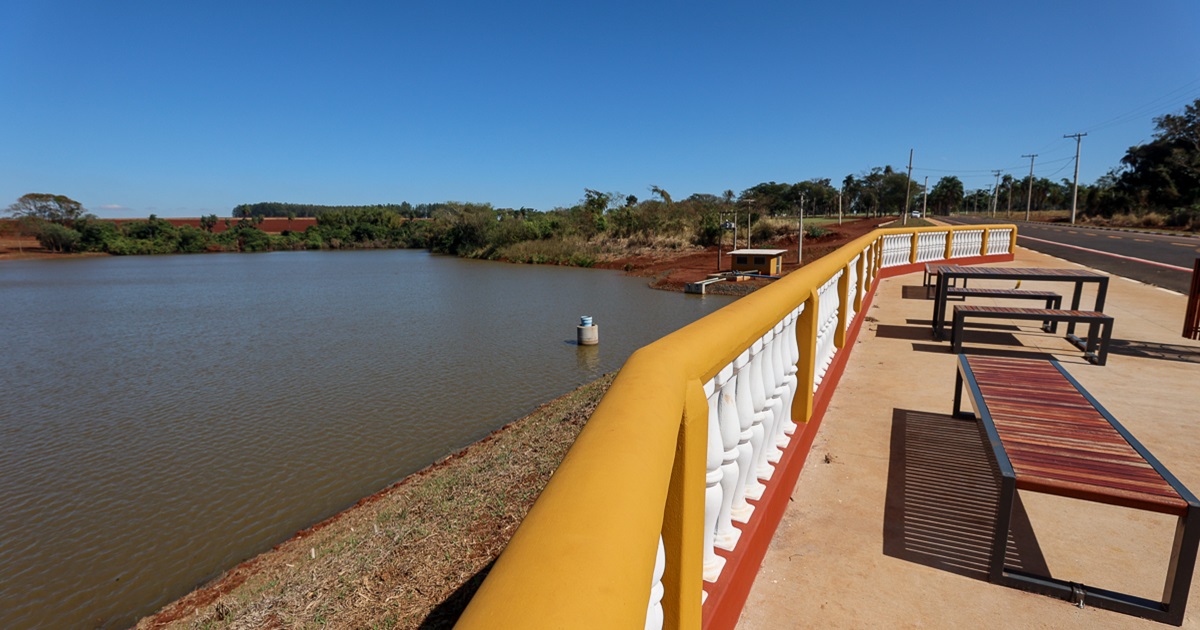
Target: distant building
767,262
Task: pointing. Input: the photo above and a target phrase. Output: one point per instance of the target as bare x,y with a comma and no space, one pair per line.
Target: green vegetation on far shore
1156,184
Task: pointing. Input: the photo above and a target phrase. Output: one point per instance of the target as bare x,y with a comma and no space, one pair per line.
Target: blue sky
189,108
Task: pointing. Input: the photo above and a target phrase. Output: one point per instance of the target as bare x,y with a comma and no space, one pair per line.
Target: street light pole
925,199
1029,197
800,236
907,189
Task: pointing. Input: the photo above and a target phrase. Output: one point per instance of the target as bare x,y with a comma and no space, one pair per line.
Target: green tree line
1160,180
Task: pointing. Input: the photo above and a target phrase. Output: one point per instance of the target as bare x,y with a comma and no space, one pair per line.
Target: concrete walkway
889,523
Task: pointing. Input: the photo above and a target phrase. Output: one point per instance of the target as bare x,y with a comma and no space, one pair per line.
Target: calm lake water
164,418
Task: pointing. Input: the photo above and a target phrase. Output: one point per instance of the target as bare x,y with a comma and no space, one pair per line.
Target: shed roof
758,252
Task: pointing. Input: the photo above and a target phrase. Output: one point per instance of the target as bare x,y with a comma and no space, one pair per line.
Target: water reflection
587,358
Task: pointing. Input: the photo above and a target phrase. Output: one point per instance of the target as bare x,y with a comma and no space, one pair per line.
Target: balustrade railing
998,240
688,461
896,249
931,246
967,243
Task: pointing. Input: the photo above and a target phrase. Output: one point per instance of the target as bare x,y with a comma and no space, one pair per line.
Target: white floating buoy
587,333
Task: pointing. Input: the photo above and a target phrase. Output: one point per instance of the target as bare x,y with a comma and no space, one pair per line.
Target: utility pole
907,189
800,233
924,199
1029,199
1075,192
995,193
749,214
840,207
735,224
1009,215
720,237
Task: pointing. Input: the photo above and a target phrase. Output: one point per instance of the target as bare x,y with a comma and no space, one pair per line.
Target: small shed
768,262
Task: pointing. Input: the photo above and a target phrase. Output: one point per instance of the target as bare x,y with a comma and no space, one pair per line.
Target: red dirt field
671,271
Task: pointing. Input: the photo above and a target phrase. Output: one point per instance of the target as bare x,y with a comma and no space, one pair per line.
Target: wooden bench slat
1058,439
1017,310
982,292
1135,500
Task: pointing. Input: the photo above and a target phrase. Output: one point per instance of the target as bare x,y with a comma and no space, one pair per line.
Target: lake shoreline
273,588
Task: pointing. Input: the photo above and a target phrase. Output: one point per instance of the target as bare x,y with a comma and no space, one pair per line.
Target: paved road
1161,260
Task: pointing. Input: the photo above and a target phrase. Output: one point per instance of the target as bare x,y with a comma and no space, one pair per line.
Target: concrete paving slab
890,521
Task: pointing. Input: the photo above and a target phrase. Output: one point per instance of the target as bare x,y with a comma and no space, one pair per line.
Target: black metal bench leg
958,387
1089,344
1075,305
956,333
1183,563
1008,494
1105,337
1054,303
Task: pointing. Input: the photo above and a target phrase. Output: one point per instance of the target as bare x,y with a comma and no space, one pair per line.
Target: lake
164,418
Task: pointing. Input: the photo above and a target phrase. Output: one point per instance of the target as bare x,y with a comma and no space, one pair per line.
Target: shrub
57,238
815,231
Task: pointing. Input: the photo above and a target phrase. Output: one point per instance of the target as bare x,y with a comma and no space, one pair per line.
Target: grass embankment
409,556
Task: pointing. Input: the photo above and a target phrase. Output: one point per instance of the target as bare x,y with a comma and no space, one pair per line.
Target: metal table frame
1079,277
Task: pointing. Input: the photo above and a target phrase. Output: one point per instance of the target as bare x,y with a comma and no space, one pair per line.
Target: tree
946,195
666,198
46,207
1163,174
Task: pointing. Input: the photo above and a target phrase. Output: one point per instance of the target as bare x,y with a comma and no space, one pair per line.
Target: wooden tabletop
1013,272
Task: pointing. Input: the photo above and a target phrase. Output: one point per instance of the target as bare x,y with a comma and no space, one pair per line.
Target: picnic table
948,274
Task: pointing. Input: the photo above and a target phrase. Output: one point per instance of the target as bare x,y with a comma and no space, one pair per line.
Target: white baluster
654,611
742,509
853,291
780,389
772,407
792,348
755,489
828,310
727,535
712,484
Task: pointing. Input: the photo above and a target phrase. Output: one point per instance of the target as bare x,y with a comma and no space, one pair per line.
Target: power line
1174,98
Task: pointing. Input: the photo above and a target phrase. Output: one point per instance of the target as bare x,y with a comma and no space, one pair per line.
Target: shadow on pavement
942,495
1151,350
944,348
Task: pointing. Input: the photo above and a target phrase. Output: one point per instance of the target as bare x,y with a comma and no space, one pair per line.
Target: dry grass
409,556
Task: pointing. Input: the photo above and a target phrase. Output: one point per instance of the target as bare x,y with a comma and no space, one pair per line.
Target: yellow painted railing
584,557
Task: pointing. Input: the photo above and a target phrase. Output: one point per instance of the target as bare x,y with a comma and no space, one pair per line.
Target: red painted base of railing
726,598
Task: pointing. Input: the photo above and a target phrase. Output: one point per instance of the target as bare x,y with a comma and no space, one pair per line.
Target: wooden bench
1052,299
1095,347
1049,435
